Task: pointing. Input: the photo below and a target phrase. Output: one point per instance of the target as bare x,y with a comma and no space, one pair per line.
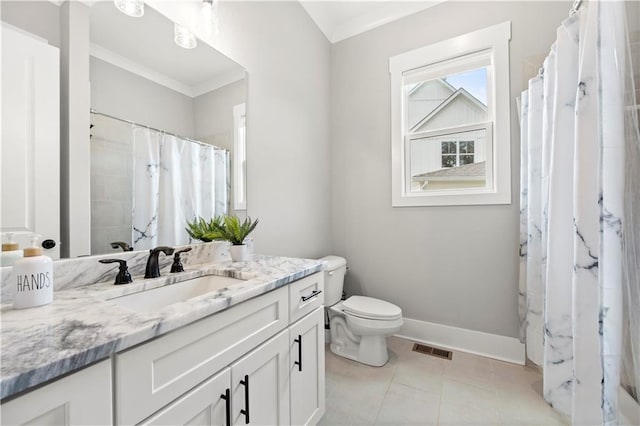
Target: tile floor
417,389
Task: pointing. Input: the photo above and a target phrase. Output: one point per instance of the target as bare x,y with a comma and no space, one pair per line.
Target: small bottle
32,278
10,251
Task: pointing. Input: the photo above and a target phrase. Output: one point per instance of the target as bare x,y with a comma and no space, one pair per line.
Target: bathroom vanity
250,352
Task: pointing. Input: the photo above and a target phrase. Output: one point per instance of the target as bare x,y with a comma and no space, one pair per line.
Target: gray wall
214,113
449,265
287,60
41,18
120,93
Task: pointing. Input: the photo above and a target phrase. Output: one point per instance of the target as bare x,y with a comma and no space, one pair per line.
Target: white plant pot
239,253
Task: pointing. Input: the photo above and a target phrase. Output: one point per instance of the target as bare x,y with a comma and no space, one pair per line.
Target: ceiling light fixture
184,38
133,8
210,16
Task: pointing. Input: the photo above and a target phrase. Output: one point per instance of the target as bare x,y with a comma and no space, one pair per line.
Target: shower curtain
579,152
175,180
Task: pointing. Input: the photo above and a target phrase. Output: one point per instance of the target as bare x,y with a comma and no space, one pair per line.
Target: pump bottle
10,251
32,278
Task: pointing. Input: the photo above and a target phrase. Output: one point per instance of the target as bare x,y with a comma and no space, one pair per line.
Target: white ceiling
339,20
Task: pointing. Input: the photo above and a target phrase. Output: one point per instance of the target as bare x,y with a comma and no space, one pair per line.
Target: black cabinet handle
313,294
299,361
227,398
245,383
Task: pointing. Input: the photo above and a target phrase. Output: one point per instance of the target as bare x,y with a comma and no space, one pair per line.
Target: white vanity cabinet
306,374
208,404
150,376
253,390
261,385
83,398
259,363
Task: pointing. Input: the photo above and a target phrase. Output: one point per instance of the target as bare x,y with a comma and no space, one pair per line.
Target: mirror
157,110
153,105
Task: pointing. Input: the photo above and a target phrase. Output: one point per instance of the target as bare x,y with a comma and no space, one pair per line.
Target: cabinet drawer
150,376
82,398
305,295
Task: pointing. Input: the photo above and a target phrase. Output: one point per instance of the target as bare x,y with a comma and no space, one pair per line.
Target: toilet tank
334,271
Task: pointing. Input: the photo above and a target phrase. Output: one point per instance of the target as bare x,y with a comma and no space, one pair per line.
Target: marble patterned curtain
146,187
175,180
572,214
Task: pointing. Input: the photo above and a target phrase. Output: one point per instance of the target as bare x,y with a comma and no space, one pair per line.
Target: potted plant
235,231
205,231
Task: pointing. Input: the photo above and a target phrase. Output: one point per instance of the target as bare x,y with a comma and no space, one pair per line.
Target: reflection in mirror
163,131
447,129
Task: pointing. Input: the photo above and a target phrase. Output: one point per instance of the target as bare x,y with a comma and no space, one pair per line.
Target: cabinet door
208,404
306,342
260,384
82,398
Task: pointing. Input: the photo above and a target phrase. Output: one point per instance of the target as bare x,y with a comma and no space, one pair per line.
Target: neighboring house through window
458,153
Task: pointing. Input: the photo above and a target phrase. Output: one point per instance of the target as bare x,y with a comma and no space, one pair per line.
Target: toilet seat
371,309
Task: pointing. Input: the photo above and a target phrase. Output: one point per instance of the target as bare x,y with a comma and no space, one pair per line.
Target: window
450,121
239,158
456,154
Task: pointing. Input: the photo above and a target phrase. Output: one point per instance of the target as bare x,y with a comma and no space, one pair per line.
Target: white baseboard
629,409
476,342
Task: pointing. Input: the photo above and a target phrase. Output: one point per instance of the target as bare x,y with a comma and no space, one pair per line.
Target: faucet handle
164,249
123,277
121,244
177,263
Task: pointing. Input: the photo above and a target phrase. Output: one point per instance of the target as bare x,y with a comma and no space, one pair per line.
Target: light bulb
133,8
210,16
184,38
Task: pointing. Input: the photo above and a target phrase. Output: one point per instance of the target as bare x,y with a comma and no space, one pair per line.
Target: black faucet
123,277
177,262
153,269
121,244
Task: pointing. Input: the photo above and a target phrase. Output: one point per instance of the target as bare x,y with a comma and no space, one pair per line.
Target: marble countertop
83,326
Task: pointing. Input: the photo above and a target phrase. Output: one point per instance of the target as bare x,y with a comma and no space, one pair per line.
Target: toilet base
372,350
360,339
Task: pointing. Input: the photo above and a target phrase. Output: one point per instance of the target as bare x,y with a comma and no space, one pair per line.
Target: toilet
359,325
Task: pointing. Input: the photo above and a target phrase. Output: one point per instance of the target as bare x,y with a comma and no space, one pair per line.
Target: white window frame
493,41
239,157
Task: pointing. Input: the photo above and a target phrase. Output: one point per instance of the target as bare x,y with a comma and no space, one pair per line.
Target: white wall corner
494,346
629,409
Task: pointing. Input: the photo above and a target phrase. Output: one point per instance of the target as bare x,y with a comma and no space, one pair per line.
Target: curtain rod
93,111
574,9
576,6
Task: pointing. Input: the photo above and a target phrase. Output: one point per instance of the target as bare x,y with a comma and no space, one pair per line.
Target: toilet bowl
359,325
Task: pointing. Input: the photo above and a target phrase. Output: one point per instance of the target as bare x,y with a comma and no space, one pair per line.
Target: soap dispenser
32,278
10,251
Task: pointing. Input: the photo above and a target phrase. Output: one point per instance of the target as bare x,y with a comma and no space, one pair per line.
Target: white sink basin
158,298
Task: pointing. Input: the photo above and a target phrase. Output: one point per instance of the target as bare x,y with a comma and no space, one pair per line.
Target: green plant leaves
205,231
228,228
235,231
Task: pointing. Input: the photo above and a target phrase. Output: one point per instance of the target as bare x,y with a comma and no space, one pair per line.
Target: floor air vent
428,350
